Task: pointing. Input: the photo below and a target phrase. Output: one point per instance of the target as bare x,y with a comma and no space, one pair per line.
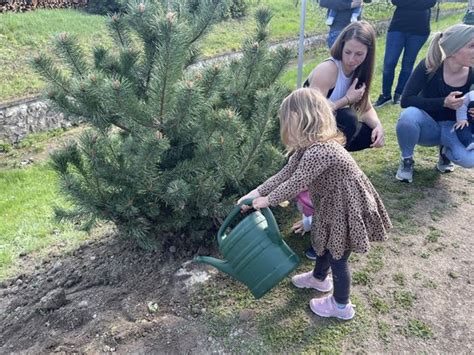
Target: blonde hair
445,44
307,118
435,56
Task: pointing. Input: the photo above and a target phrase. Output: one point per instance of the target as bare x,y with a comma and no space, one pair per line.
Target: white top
342,83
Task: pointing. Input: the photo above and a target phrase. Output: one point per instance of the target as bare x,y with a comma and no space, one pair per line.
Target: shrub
170,146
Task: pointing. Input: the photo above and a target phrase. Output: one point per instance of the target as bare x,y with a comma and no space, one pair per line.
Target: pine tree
169,147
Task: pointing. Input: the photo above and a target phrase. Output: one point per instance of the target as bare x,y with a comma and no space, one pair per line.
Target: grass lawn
281,322
27,197
24,34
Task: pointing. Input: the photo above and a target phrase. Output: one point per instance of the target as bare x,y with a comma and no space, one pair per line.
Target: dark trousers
465,135
332,36
396,43
341,275
358,134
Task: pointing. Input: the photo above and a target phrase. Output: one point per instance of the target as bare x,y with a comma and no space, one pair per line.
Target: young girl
348,212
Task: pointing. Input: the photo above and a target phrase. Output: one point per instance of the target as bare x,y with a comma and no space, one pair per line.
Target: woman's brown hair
363,32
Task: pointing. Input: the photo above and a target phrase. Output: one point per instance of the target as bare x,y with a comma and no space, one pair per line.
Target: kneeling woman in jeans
432,95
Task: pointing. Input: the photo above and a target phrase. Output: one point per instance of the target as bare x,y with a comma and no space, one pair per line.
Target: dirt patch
109,296
105,296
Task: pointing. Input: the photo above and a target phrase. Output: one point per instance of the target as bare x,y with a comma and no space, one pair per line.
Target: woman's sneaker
405,170
397,98
382,100
327,307
444,165
307,280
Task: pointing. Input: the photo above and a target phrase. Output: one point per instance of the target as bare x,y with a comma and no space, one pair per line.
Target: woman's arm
418,80
323,78
371,119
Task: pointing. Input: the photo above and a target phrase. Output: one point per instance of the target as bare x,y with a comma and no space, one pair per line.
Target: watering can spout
221,265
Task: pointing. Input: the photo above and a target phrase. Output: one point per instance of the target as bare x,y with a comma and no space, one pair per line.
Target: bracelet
348,101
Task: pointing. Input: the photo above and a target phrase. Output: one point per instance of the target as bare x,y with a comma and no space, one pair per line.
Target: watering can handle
274,233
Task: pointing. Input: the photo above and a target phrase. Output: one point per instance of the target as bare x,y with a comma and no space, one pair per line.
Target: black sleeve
337,5
414,4
418,81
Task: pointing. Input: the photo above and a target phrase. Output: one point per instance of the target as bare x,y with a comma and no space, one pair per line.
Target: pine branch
44,66
210,11
68,49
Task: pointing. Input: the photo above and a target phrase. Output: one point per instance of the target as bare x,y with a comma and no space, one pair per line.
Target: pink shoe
327,307
307,280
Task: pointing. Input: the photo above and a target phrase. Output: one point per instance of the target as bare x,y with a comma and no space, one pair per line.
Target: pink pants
303,201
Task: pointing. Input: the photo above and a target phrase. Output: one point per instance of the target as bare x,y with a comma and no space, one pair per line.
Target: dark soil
106,295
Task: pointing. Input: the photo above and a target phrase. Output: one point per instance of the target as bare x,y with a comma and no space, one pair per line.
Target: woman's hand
378,137
461,124
355,95
252,194
453,102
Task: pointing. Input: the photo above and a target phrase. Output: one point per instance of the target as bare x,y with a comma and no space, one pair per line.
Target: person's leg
321,266
331,16
413,44
414,127
341,276
454,149
356,12
358,135
393,50
332,36
465,136
337,305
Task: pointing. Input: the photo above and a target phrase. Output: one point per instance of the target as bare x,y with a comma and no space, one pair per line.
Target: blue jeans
396,43
332,36
415,126
341,275
465,135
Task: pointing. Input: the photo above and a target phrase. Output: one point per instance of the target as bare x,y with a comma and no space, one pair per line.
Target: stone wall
19,118
22,117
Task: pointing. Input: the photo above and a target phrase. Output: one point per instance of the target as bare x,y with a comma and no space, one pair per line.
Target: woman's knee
407,120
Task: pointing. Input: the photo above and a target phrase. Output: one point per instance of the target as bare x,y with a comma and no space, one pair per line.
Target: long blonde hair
307,118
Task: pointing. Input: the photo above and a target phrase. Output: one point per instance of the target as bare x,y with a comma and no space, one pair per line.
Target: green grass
417,328
24,34
282,322
27,197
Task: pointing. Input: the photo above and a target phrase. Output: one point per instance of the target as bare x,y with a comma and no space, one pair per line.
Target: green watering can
254,251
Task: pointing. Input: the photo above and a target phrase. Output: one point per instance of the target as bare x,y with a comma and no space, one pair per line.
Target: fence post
301,43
